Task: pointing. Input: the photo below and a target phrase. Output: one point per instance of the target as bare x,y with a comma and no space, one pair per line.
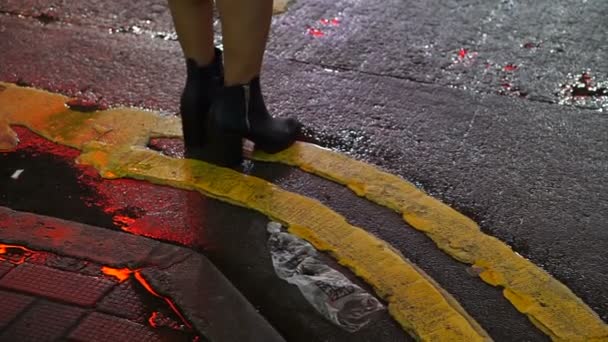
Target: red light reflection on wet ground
139,207
122,274
153,318
584,90
333,21
315,32
156,319
14,254
328,23
143,282
462,53
464,57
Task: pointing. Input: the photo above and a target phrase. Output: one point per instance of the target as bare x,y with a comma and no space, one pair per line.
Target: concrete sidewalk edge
202,293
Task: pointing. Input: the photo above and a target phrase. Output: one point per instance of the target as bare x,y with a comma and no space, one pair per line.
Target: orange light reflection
6,253
152,319
122,274
140,278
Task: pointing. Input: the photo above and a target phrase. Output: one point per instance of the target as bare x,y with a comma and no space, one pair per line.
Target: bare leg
193,21
245,26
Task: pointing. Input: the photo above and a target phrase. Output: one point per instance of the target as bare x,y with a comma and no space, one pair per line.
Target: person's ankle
239,80
212,71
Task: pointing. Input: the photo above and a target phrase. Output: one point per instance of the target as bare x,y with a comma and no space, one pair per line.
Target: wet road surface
474,102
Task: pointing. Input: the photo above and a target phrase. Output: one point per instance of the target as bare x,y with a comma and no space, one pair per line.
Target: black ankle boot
202,84
240,112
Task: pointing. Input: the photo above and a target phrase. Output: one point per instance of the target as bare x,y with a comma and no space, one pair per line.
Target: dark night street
463,179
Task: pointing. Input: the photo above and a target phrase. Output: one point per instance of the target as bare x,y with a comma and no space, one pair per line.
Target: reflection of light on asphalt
315,32
585,91
17,173
14,254
328,23
122,274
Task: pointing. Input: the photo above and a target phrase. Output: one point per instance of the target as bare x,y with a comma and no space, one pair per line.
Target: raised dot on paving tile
98,327
5,266
125,302
12,305
44,321
55,284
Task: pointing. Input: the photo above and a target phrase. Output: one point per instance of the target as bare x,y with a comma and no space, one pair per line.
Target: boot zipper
247,90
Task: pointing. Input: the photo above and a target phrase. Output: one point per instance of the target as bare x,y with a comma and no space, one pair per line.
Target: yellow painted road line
113,141
549,304
279,6
416,302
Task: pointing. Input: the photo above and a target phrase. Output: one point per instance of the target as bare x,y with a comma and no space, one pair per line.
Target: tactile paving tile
45,321
98,327
125,302
5,266
55,284
11,304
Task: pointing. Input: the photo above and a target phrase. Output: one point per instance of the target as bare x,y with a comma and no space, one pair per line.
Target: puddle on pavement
78,193
49,184
584,90
346,140
356,143
138,30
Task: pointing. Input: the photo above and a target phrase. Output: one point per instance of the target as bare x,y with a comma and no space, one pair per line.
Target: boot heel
223,148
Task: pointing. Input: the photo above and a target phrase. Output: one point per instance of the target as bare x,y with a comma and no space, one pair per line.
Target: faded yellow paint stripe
417,303
279,6
114,144
46,113
550,305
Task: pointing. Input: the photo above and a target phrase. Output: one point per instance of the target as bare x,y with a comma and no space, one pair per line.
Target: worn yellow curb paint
114,141
417,303
550,305
279,6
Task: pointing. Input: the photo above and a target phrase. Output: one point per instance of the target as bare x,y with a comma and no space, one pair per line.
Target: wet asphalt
470,100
